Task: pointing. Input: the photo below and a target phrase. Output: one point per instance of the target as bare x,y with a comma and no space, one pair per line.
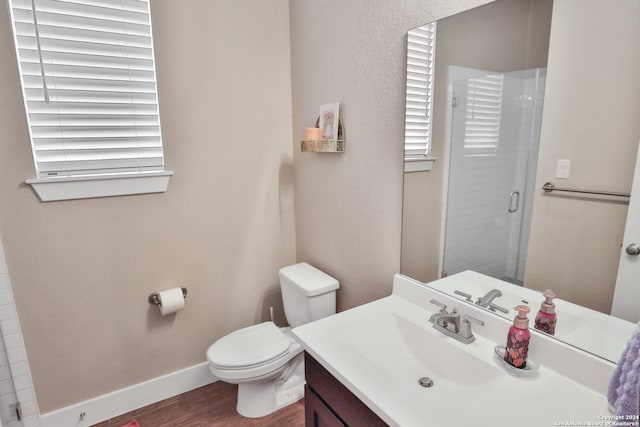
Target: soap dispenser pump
546,318
518,339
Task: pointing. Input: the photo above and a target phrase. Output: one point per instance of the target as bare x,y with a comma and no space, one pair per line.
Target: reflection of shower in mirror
494,134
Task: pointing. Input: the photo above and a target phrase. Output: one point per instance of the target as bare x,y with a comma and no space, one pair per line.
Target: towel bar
548,187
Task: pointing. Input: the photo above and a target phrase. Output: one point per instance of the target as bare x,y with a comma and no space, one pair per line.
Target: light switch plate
562,169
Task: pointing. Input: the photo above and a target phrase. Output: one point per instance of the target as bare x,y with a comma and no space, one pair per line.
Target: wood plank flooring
213,405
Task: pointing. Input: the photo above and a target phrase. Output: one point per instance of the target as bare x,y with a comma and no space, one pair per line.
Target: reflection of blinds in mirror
482,119
419,97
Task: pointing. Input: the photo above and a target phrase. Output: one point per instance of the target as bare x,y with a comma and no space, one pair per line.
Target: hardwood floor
213,405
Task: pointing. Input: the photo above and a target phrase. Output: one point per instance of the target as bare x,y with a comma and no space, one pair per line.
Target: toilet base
260,398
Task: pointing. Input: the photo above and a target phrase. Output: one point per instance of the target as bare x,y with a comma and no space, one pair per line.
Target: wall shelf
322,146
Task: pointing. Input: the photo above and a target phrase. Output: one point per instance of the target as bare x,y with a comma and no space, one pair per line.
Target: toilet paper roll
171,301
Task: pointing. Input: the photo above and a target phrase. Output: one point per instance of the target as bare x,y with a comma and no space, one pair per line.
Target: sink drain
425,382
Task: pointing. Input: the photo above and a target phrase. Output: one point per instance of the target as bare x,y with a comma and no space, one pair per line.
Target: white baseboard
118,402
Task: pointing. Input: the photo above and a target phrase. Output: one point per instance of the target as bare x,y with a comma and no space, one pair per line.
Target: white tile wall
15,354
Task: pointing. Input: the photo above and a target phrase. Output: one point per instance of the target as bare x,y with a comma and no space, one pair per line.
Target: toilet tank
308,294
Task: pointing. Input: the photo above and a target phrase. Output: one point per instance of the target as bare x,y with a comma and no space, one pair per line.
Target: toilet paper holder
155,299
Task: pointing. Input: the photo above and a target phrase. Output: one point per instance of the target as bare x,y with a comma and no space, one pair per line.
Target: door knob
633,249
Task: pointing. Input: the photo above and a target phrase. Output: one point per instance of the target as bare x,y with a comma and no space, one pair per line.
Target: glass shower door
492,156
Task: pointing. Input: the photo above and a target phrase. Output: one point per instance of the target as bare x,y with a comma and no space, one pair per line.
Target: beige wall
504,36
82,270
590,116
421,223
507,35
349,206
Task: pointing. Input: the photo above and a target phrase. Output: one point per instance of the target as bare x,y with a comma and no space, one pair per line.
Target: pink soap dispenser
546,318
518,339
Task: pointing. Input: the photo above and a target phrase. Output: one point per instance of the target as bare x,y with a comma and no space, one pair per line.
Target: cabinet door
316,414
332,393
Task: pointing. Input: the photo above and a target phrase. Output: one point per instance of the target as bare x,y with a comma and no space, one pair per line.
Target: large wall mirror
524,92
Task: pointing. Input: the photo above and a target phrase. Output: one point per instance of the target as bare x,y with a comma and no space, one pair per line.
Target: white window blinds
89,86
482,116
419,100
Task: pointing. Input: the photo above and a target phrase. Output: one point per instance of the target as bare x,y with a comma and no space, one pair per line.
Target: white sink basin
380,350
409,347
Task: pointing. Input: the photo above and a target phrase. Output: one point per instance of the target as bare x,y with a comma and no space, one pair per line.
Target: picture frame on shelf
329,119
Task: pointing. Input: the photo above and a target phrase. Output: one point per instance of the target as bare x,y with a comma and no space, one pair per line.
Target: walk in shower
494,135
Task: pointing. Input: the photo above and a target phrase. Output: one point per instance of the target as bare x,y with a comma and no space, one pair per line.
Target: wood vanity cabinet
328,403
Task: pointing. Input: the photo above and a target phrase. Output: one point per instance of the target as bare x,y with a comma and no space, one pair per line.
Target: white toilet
264,360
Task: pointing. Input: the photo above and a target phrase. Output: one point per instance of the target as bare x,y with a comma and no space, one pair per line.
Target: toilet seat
250,352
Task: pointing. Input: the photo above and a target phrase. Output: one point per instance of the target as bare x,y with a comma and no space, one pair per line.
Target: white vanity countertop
381,349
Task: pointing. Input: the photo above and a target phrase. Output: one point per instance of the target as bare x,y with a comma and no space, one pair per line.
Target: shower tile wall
15,352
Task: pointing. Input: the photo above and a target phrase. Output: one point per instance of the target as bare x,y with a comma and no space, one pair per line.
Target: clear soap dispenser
518,339
546,318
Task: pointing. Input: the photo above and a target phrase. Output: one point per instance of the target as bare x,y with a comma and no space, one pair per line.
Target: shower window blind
419,92
89,87
482,116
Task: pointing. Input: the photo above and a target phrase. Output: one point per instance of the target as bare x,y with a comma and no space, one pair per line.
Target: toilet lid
249,346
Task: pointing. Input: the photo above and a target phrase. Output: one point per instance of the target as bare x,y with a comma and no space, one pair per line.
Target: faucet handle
465,327
443,307
467,318
494,307
464,294
443,310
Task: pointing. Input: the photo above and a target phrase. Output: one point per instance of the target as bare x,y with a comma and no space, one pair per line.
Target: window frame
94,183
419,97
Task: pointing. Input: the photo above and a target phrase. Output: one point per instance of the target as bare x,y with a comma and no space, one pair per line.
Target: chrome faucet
448,321
452,325
488,298
487,301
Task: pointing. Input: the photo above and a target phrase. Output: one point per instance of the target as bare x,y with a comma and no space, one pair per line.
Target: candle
313,134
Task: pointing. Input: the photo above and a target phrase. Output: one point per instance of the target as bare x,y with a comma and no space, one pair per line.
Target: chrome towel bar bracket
548,187
154,298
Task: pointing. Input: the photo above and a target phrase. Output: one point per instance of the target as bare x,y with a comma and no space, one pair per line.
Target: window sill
87,187
419,164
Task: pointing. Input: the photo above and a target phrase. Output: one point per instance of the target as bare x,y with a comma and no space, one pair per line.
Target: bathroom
81,270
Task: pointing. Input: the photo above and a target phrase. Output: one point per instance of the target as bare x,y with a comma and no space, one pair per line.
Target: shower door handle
515,196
